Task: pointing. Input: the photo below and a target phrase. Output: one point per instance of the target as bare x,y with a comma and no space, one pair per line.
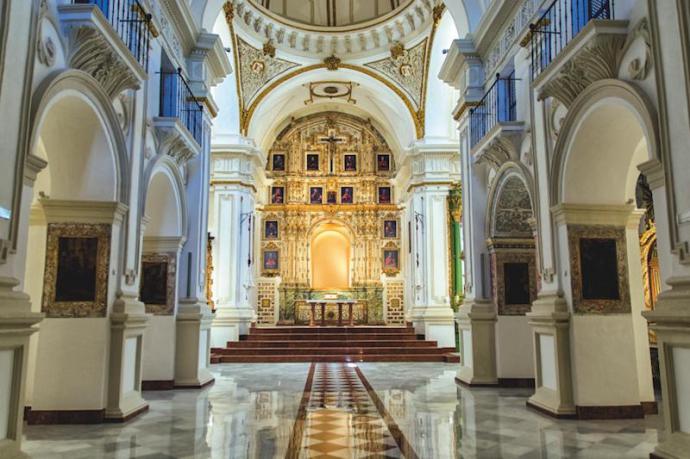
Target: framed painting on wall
270,258
278,162
316,195
350,163
346,195
76,272
278,195
313,162
383,162
391,260
385,195
271,229
390,229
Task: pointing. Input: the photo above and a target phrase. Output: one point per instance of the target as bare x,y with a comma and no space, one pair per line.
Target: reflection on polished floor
375,410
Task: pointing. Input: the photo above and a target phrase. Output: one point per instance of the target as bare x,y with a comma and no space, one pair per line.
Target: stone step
332,351
449,358
328,336
334,329
329,343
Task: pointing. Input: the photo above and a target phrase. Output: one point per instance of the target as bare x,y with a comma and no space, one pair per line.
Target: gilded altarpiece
331,171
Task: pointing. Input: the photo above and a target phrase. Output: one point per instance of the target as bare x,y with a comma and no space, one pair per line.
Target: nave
372,410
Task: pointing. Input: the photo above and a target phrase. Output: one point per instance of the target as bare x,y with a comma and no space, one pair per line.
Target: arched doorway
330,257
164,234
607,135
75,243
513,268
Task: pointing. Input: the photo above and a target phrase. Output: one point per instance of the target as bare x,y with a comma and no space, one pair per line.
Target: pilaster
16,326
435,168
192,353
237,173
671,321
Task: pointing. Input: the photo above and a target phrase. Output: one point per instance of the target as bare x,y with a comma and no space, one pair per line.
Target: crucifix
332,140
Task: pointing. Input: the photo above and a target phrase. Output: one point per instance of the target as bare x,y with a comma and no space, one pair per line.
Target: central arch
331,247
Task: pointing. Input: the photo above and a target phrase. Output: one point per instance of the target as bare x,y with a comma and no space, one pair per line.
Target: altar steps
332,344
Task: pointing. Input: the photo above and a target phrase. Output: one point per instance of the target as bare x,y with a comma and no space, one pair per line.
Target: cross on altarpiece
332,140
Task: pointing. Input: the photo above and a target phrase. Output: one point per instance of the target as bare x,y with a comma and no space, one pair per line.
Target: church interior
344,229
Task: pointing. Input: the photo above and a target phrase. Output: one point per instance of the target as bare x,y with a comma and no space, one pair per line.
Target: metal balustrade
130,21
499,105
560,23
178,101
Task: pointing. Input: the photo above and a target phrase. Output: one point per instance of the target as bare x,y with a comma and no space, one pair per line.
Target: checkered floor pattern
342,420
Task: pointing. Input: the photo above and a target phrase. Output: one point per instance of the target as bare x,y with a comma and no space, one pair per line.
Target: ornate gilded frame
272,247
389,247
599,306
167,309
77,309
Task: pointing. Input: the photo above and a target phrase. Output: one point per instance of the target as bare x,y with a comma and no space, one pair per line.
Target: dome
332,15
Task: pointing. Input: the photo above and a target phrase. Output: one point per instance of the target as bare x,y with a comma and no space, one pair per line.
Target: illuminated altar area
330,228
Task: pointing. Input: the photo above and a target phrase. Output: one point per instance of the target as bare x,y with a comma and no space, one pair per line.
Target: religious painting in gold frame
75,282
389,229
270,260
390,259
271,230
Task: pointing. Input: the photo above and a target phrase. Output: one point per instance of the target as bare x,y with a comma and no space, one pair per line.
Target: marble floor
372,410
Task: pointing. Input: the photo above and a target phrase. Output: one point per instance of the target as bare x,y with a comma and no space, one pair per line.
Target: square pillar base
671,322
550,322
193,345
229,324
436,324
16,326
476,321
128,323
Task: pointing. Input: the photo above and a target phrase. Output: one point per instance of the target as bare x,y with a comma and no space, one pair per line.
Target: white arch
87,105
164,198
586,167
375,100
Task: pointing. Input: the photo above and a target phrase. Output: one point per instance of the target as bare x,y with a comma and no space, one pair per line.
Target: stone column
236,171
434,168
455,209
476,317
192,356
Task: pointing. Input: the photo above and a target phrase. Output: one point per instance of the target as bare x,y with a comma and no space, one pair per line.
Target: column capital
241,163
433,162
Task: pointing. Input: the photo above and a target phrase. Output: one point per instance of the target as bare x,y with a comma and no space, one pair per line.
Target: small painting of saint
346,195
384,195
278,195
154,283
332,197
350,163
271,229
383,162
278,162
391,260
316,195
312,162
76,269
271,260
390,229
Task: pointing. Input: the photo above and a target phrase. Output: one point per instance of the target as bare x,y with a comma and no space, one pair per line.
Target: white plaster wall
6,376
604,361
76,350
514,349
158,362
